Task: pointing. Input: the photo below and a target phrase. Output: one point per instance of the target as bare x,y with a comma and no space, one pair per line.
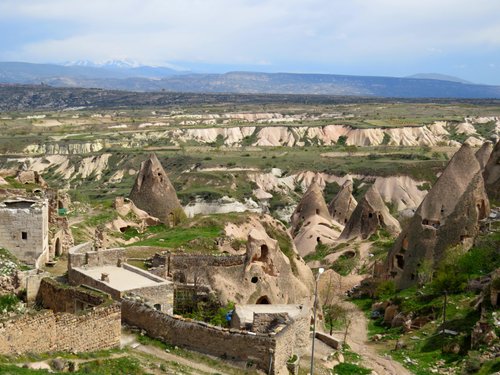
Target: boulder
153,192
389,314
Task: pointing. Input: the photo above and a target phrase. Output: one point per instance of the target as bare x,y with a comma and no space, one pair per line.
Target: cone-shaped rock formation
153,192
448,215
484,153
311,222
491,174
343,204
370,214
312,203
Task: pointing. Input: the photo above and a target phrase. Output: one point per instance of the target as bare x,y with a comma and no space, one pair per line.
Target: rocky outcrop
31,177
153,192
484,153
491,174
449,215
267,275
370,214
343,204
130,216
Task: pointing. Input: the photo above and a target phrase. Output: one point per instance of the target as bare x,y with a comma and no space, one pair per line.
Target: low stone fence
250,347
92,328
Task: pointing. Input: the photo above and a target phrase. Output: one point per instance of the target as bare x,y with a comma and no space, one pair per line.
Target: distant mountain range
131,76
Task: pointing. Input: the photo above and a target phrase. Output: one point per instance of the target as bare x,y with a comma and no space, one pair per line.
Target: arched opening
157,306
264,253
318,239
60,204
370,215
58,249
254,280
317,211
264,300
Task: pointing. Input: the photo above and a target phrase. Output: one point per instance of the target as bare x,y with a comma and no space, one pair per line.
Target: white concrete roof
122,279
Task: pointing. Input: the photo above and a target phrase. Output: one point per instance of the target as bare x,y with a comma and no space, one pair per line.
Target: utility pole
320,271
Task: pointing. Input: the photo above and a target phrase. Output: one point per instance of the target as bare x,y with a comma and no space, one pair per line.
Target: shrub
385,290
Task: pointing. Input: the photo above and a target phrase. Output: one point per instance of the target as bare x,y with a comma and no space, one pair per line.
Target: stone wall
53,296
85,255
92,328
187,267
24,230
221,342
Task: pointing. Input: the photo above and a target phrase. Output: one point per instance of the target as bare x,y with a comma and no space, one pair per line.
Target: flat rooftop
123,279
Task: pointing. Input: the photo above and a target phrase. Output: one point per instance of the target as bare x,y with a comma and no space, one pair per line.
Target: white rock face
222,206
273,136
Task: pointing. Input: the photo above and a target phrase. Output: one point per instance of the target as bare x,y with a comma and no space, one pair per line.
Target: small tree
335,316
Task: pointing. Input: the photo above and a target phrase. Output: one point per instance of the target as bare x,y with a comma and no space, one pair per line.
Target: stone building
24,229
107,271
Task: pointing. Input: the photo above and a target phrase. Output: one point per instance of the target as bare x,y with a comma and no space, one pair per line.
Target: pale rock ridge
343,204
153,192
370,214
449,215
401,191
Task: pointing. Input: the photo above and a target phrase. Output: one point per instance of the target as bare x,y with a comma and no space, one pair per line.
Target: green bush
385,290
350,369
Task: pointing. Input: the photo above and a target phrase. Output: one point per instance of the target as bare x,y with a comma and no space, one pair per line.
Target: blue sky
359,37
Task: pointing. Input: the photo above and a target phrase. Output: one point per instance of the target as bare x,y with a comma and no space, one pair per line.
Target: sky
358,37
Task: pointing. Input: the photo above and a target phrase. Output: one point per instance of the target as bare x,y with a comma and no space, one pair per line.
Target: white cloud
252,31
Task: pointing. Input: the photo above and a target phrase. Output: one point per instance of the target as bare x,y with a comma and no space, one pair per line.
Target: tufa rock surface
266,275
312,203
491,174
153,192
312,223
370,214
449,215
343,204
484,153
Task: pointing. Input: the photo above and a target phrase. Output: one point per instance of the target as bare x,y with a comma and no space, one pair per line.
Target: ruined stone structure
449,215
263,275
312,223
273,348
491,174
343,204
106,270
24,229
370,214
60,236
77,320
153,192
